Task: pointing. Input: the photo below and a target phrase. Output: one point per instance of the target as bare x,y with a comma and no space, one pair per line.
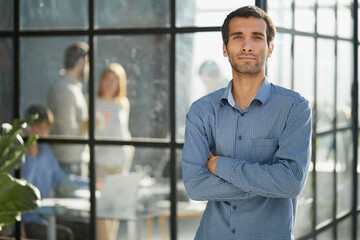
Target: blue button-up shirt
265,153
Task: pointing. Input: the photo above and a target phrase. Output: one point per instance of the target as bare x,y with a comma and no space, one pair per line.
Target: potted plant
16,195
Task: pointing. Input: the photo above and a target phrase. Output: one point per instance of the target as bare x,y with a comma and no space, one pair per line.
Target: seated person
42,170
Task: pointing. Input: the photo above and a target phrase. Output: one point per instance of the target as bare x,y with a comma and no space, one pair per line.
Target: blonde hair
120,73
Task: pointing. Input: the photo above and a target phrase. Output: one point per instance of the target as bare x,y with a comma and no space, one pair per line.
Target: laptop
118,194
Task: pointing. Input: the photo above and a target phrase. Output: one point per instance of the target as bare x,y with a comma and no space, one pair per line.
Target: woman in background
112,109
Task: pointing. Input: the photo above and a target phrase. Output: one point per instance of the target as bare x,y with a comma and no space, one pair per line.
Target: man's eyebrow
259,33
236,33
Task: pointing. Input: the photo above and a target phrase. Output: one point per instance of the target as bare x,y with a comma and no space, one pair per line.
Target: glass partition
144,13
204,13
201,69
52,14
325,84
6,80
279,67
6,14
325,164
145,59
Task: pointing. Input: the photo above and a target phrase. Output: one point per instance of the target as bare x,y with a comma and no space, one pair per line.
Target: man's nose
247,46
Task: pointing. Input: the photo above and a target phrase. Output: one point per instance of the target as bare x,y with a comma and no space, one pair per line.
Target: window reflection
303,223
345,21
205,12
200,69
125,14
325,164
326,19
6,14
281,13
41,66
65,206
343,169
146,62
344,82
140,196
279,66
304,62
53,14
325,84
6,80
305,15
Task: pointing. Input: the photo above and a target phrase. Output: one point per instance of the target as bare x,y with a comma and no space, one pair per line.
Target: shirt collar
262,95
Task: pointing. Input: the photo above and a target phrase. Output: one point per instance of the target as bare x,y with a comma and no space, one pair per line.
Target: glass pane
304,67
326,19
344,19
6,14
324,178
189,212
200,69
112,107
279,66
344,151
328,234
344,229
53,14
44,81
6,80
203,13
304,215
344,81
145,60
305,15
125,14
138,199
280,12
65,202
325,84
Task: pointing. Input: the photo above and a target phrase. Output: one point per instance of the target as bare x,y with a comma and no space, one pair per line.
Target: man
67,102
247,146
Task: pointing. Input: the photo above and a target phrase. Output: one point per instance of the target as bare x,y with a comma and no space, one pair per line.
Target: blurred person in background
67,102
41,169
112,114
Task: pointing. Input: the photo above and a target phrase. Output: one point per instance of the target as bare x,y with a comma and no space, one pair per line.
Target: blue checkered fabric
265,153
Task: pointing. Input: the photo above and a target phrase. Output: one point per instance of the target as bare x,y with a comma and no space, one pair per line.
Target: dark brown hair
246,12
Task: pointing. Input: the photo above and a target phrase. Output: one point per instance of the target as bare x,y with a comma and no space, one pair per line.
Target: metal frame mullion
172,105
355,117
16,93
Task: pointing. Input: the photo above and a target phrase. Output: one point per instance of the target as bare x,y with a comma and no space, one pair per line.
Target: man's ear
271,49
225,53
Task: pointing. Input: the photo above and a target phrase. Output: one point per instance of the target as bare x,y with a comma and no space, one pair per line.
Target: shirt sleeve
200,184
57,174
286,176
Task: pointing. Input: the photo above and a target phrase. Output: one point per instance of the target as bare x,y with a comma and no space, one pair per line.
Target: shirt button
234,207
240,138
242,114
233,231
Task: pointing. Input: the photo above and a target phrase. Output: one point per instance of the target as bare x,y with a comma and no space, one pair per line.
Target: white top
112,122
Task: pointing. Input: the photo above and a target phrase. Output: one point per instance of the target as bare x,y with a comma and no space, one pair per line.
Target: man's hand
211,163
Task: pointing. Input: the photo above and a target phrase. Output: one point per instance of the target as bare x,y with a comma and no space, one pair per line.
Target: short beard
247,69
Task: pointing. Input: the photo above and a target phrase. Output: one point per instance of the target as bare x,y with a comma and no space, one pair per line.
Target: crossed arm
210,177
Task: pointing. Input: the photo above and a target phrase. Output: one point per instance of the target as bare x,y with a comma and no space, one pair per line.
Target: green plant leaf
16,195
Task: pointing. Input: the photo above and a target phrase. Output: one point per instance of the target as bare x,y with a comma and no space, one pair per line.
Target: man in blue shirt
247,146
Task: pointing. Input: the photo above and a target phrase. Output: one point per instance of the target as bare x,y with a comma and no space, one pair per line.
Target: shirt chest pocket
263,150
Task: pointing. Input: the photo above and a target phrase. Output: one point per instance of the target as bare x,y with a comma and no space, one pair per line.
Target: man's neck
245,87
73,74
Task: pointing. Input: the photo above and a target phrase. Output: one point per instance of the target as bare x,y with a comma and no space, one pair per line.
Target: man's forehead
251,24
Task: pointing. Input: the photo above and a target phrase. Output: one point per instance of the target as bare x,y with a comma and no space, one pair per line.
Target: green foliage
16,195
